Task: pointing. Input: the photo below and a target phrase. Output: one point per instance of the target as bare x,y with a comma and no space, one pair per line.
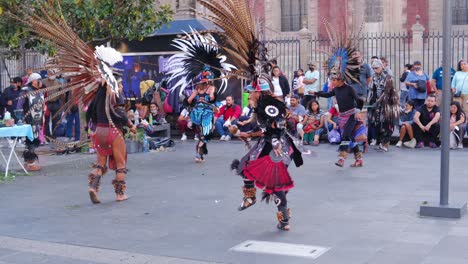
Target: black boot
250,198
283,215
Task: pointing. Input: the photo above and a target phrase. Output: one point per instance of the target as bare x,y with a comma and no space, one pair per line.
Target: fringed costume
384,112
344,66
90,78
265,165
198,67
33,107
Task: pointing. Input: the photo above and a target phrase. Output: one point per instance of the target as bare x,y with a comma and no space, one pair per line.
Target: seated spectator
184,123
332,116
311,127
406,129
143,112
296,115
426,123
226,116
313,110
245,124
457,125
154,119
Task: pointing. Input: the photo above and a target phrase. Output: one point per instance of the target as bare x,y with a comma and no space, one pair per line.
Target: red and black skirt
269,175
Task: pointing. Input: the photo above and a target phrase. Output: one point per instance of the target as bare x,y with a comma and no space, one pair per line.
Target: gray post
443,209
445,122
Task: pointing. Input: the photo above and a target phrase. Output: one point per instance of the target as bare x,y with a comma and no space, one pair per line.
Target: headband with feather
343,62
200,61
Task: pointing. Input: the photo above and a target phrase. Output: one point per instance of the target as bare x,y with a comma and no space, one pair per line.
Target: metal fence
432,50
287,53
10,68
395,47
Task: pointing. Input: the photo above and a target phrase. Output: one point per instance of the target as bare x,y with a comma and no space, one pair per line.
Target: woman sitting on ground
457,125
406,120
313,109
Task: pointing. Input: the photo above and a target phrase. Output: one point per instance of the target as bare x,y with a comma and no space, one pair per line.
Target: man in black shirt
426,123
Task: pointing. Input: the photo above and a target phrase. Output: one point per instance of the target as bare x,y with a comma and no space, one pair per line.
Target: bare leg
402,132
119,153
409,129
94,178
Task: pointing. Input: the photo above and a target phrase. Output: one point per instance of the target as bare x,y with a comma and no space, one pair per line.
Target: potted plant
134,142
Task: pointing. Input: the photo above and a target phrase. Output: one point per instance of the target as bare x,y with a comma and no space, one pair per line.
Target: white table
14,132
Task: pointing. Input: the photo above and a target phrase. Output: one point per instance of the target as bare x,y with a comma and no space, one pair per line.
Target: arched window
459,12
293,12
374,11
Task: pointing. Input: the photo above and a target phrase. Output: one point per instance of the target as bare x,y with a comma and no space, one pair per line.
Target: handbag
421,86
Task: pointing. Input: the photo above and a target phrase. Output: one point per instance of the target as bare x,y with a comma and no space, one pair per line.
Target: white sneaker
227,138
223,137
460,145
410,144
398,145
373,142
184,137
196,138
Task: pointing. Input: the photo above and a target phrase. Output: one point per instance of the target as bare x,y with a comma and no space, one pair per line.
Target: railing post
418,42
304,45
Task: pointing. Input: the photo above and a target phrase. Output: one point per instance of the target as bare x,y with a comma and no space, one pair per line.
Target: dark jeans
53,109
73,119
247,127
427,136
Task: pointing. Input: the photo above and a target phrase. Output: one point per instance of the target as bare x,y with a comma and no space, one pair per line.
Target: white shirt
309,76
184,113
278,92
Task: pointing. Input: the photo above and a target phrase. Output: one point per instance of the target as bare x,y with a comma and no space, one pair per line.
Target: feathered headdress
242,39
75,61
343,62
201,61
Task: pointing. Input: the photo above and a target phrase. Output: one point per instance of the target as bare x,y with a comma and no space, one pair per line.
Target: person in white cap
33,111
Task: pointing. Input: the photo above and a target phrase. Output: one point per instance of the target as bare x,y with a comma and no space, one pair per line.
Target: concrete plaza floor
182,212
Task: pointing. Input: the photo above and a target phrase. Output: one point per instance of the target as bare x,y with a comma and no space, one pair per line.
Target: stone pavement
182,212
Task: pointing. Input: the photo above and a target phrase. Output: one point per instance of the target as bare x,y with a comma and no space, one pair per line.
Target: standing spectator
406,122
10,96
426,123
403,88
280,83
457,125
227,115
311,81
460,84
417,83
436,83
298,85
73,120
386,66
29,71
53,104
365,77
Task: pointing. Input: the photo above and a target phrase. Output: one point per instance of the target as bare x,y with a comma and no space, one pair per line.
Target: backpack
334,136
166,142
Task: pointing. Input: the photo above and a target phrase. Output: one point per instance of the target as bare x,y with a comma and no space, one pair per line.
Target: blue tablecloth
17,131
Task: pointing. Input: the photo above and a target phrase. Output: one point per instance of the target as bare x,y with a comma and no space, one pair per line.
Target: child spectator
406,122
310,129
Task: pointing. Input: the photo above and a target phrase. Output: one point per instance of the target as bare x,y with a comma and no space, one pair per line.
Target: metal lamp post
443,208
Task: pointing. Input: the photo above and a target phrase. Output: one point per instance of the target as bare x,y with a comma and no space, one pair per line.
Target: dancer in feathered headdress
90,79
343,67
265,165
200,64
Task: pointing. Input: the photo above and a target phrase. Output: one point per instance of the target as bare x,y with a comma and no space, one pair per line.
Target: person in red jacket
227,115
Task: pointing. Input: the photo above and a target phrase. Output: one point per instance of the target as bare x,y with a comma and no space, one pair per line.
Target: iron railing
432,50
287,52
16,67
